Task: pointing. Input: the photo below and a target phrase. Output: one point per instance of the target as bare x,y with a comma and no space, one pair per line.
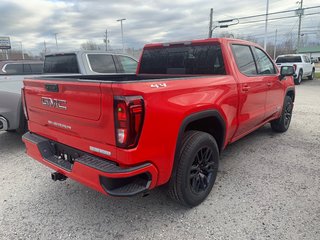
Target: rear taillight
128,115
295,67
24,105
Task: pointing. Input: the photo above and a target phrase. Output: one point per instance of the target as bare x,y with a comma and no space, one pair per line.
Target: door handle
245,88
269,84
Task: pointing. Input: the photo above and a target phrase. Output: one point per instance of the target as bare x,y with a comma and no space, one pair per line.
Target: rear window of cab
183,59
289,59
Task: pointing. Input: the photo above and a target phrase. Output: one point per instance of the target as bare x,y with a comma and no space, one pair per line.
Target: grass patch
318,75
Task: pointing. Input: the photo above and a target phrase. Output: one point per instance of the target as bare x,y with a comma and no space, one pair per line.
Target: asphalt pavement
268,187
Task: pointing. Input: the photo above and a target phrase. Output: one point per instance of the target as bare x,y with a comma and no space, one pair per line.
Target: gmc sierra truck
166,124
73,63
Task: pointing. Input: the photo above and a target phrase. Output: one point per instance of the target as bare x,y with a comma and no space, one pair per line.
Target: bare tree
90,45
239,36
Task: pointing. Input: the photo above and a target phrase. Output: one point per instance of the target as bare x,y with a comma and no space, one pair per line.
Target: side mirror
286,71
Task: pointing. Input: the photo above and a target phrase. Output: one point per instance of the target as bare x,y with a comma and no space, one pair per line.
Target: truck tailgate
70,108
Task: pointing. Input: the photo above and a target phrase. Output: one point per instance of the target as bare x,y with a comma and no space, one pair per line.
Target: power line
299,13
279,18
273,13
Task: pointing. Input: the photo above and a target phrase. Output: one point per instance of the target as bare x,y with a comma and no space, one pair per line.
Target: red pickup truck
167,124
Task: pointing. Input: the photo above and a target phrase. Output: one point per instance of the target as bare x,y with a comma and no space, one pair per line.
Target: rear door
267,73
252,90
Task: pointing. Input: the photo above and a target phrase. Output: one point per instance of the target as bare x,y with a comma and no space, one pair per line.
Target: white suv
301,63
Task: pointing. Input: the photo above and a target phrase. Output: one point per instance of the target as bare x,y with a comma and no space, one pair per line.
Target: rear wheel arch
209,121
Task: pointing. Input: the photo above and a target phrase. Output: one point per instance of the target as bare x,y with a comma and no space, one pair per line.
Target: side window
102,63
244,59
36,67
307,59
61,63
304,58
129,65
14,69
264,64
26,68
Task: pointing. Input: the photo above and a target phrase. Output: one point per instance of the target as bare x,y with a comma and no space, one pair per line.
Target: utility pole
55,35
106,39
210,23
300,13
275,45
21,50
45,47
266,27
121,20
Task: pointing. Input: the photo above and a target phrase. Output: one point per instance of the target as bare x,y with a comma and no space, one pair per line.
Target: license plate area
65,153
59,154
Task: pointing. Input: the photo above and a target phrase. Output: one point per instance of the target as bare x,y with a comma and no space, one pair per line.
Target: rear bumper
95,172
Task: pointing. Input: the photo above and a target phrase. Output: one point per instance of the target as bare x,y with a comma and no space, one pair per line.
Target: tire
282,124
298,80
311,77
195,169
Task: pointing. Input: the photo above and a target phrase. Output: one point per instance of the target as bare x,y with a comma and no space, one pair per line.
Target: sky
32,22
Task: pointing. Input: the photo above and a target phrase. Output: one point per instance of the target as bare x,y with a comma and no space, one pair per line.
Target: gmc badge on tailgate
54,103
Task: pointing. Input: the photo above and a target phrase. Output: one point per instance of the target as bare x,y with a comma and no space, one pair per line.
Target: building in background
312,52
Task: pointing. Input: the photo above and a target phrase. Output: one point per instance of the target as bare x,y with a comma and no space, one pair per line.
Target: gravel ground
268,188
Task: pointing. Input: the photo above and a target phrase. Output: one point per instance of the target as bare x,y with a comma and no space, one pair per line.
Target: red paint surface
91,114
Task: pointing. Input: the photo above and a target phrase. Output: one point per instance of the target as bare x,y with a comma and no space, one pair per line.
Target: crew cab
301,63
165,125
88,63
74,63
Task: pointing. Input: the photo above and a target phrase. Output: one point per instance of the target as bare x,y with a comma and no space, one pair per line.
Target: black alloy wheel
201,170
